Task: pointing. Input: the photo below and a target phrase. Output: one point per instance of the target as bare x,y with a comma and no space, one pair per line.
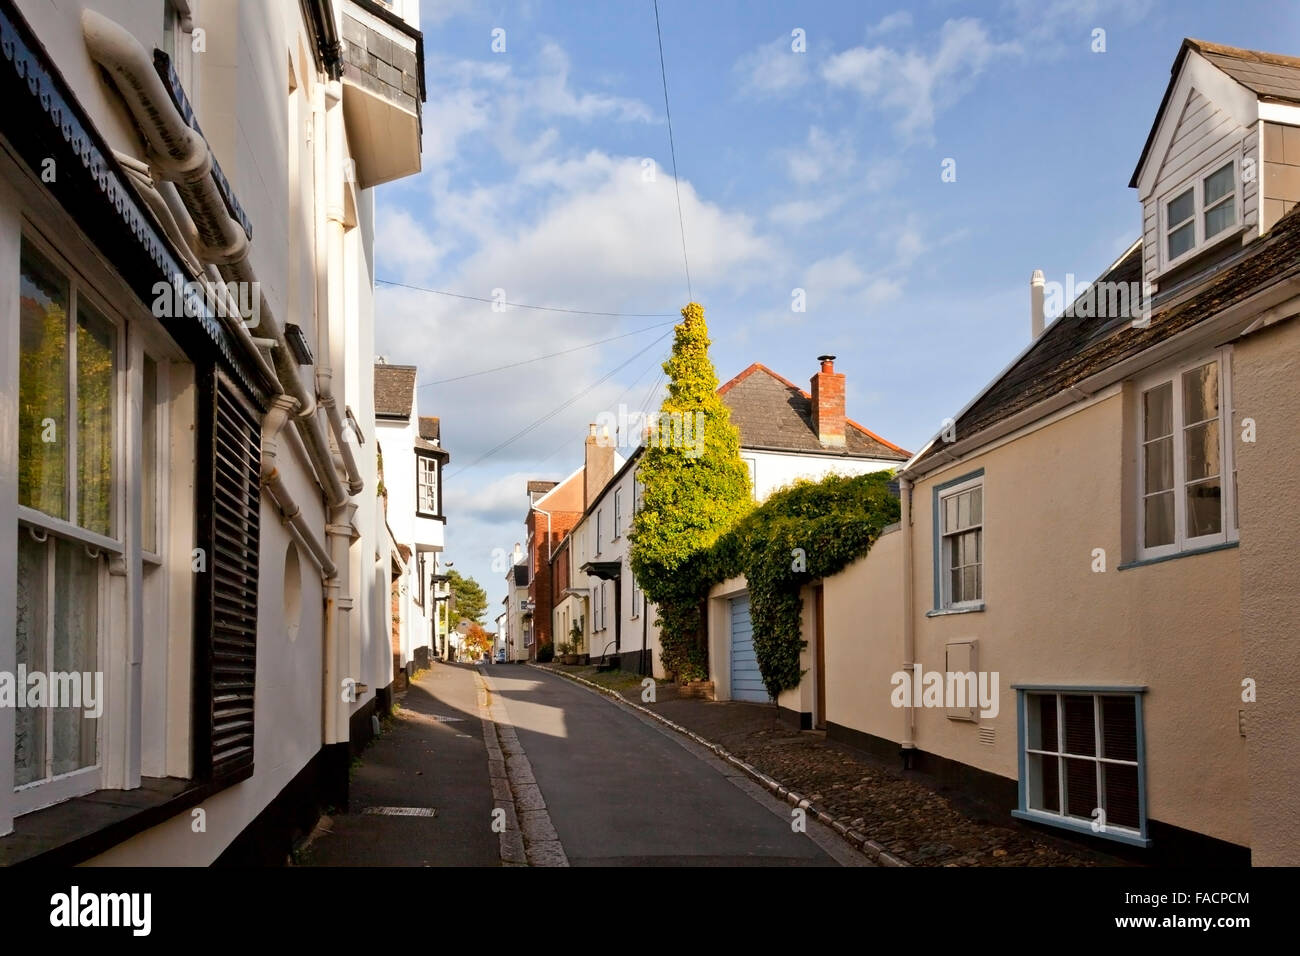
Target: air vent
987,735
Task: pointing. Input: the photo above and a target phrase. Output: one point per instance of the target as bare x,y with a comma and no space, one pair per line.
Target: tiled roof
394,390
772,412
430,427
1270,75
1073,349
541,486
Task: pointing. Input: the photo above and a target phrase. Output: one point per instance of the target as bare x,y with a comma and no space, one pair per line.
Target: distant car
501,655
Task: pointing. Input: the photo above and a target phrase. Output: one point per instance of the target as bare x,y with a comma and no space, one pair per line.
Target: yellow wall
1266,373
1050,498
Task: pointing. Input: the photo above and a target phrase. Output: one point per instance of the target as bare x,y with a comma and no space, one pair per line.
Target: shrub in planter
545,654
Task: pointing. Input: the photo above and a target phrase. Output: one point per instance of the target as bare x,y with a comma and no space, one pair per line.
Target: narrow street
620,789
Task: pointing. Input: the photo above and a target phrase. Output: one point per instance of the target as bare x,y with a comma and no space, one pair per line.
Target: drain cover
446,720
401,811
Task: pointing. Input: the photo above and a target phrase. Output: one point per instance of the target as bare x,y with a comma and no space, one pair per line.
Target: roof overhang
605,570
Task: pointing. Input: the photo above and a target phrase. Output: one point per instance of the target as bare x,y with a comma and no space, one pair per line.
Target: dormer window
1199,213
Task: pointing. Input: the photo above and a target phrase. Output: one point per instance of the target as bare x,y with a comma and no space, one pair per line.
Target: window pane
1204,508
977,505
1121,784
1080,788
1200,394
1158,412
1220,218
42,386
950,513
96,354
1159,470
1180,208
1217,185
1202,450
1042,722
76,646
1080,728
149,455
969,591
1181,240
33,621
1119,728
1044,783
1158,519
963,510
954,586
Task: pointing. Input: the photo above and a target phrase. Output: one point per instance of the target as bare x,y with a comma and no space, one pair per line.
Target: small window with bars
1083,762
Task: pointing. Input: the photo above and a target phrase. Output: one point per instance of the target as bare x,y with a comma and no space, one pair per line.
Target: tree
477,642
471,599
695,487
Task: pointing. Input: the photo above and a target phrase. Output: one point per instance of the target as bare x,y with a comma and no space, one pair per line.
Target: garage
746,680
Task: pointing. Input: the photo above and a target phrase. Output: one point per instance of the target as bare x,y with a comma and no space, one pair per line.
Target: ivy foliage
808,531
695,488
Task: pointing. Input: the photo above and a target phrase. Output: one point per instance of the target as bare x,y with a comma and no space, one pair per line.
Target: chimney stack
828,403
517,555
598,464
1036,319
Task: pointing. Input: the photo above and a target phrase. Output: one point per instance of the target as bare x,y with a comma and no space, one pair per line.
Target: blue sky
818,170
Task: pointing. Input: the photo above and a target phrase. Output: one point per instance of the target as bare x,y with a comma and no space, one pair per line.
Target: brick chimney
828,403
598,464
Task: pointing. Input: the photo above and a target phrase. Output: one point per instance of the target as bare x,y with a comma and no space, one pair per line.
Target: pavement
433,756
588,781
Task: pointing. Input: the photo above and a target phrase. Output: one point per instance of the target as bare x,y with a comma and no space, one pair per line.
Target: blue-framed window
1082,761
958,547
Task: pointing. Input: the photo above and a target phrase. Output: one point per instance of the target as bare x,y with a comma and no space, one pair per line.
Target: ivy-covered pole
695,487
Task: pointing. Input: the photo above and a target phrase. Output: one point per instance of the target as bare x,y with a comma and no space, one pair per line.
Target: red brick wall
541,590
828,405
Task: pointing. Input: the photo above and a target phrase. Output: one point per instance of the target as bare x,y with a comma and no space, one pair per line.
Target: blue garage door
746,681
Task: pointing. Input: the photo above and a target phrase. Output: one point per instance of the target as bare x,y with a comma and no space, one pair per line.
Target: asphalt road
622,790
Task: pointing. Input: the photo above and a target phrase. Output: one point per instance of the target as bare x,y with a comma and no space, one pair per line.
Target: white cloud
832,274
823,156
772,69
899,20
404,247
913,84
803,212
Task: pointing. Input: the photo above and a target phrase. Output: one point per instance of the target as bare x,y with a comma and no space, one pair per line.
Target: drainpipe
179,154
909,631
338,634
281,410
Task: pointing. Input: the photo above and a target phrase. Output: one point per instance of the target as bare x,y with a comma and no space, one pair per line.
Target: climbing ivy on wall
809,531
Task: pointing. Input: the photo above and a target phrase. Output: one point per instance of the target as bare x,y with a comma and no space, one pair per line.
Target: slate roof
1270,76
394,390
772,413
430,428
521,575
1072,348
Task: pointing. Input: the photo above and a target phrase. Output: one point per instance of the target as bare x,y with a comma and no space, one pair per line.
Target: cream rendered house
188,506
1107,528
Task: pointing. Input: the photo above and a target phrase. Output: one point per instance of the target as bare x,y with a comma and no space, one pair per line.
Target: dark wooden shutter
229,469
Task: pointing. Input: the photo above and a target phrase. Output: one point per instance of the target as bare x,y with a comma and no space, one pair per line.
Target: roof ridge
1241,53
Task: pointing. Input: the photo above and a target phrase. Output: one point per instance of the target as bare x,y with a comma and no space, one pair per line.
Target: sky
811,143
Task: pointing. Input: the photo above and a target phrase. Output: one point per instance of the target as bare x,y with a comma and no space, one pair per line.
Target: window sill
1081,826
75,830
945,611
1142,562
429,517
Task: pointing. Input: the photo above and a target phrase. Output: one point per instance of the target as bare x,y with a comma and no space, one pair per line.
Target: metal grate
986,735
401,811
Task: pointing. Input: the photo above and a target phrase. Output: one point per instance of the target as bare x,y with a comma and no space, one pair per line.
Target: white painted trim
1195,182
1280,113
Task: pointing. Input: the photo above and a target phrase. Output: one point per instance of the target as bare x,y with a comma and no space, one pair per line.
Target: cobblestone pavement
911,817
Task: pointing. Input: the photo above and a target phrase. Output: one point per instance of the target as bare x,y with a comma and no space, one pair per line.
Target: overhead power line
672,150
559,408
521,305
576,348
